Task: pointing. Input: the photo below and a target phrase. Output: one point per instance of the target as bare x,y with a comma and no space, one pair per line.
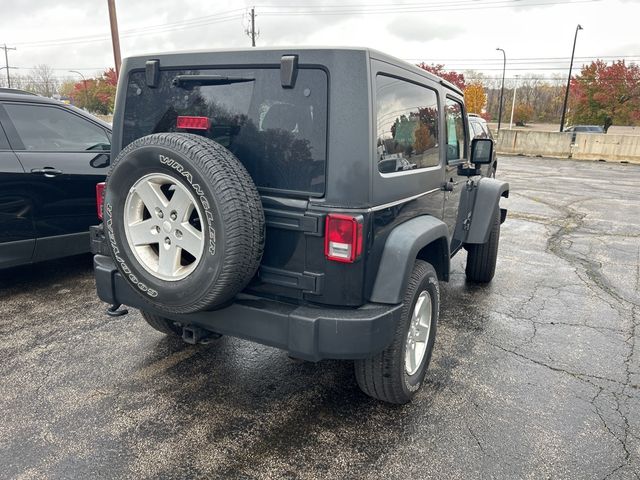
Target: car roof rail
16,91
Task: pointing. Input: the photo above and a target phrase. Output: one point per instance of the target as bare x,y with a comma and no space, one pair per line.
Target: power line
521,60
150,30
448,7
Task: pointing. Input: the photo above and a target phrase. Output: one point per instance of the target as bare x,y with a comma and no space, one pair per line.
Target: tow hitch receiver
193,335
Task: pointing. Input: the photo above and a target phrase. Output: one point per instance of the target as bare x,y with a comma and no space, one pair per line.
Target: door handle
49,172
448,186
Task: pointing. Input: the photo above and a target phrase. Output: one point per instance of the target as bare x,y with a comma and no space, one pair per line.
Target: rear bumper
307,332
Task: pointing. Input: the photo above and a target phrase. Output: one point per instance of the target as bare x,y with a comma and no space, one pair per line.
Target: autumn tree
438,69
66,88
522,114
474,98
606,94
96,95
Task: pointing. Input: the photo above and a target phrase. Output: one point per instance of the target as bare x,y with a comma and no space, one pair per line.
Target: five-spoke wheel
163,226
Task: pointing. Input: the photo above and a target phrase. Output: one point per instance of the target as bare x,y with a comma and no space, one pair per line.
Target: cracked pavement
536,375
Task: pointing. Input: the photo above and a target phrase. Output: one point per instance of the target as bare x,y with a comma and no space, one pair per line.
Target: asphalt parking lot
534,376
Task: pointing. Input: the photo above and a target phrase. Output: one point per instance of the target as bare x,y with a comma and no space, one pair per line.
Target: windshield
279,134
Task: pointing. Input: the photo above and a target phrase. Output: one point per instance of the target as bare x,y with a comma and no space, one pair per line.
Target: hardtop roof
370,52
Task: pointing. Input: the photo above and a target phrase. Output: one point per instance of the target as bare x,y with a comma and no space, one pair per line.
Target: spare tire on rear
184,221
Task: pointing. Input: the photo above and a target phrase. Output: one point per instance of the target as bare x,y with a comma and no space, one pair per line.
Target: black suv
51,156
308,199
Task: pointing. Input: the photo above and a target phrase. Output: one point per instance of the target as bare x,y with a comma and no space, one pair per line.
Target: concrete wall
607,147
617,148
546,144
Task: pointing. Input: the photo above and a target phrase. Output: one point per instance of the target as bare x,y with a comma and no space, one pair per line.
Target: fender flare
487,201
399,255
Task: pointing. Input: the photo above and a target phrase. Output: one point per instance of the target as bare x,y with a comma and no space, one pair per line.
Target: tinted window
44,128
279,134
487,130
407,125
4,144
456,141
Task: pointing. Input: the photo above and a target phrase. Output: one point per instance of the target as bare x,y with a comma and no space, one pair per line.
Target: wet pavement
535,376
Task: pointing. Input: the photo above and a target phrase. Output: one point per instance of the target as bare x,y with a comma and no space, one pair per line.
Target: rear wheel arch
437,254
421,238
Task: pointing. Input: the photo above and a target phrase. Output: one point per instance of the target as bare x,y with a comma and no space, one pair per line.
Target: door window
456,138
477,130
46,129
4,144
407,125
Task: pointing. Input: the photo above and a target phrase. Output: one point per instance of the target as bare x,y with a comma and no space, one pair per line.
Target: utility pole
566,95
251,31
6,60
115,38
513,105
504,67
253,27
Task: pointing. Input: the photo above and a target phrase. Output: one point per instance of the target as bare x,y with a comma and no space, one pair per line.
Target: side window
407,125
477,130
487,131
4,143
45,128
456,140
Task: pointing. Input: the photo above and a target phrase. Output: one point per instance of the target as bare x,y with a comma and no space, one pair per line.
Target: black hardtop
350,134
262,55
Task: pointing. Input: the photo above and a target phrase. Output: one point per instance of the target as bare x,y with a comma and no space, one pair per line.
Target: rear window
279,134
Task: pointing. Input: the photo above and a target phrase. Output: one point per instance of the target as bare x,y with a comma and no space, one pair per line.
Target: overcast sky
463,34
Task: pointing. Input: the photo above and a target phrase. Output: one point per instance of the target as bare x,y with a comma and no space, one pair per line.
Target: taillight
193,123
343,238
99,198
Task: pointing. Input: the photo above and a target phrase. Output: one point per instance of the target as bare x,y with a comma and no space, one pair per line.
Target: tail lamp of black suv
343,237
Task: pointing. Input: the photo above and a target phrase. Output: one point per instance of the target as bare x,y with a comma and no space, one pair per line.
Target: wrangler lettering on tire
184,221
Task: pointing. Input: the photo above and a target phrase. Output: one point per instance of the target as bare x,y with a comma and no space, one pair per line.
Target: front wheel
397,373
482,258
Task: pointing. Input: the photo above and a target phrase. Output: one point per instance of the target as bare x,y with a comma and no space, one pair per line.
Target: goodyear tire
397,373
184,221
482,258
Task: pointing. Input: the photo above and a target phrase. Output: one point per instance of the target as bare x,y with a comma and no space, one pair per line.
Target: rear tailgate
280,136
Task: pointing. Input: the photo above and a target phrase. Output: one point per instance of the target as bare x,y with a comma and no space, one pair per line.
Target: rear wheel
482,258
397,373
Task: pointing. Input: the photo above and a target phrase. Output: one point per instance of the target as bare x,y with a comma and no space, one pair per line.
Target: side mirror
481,151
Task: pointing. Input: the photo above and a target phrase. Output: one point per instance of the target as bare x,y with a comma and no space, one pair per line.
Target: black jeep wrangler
307,199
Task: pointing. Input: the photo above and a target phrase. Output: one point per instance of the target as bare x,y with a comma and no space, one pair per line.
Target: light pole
566,93
513,104
84,80
504,67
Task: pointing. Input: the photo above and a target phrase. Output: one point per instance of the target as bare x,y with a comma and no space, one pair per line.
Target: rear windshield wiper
190,81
